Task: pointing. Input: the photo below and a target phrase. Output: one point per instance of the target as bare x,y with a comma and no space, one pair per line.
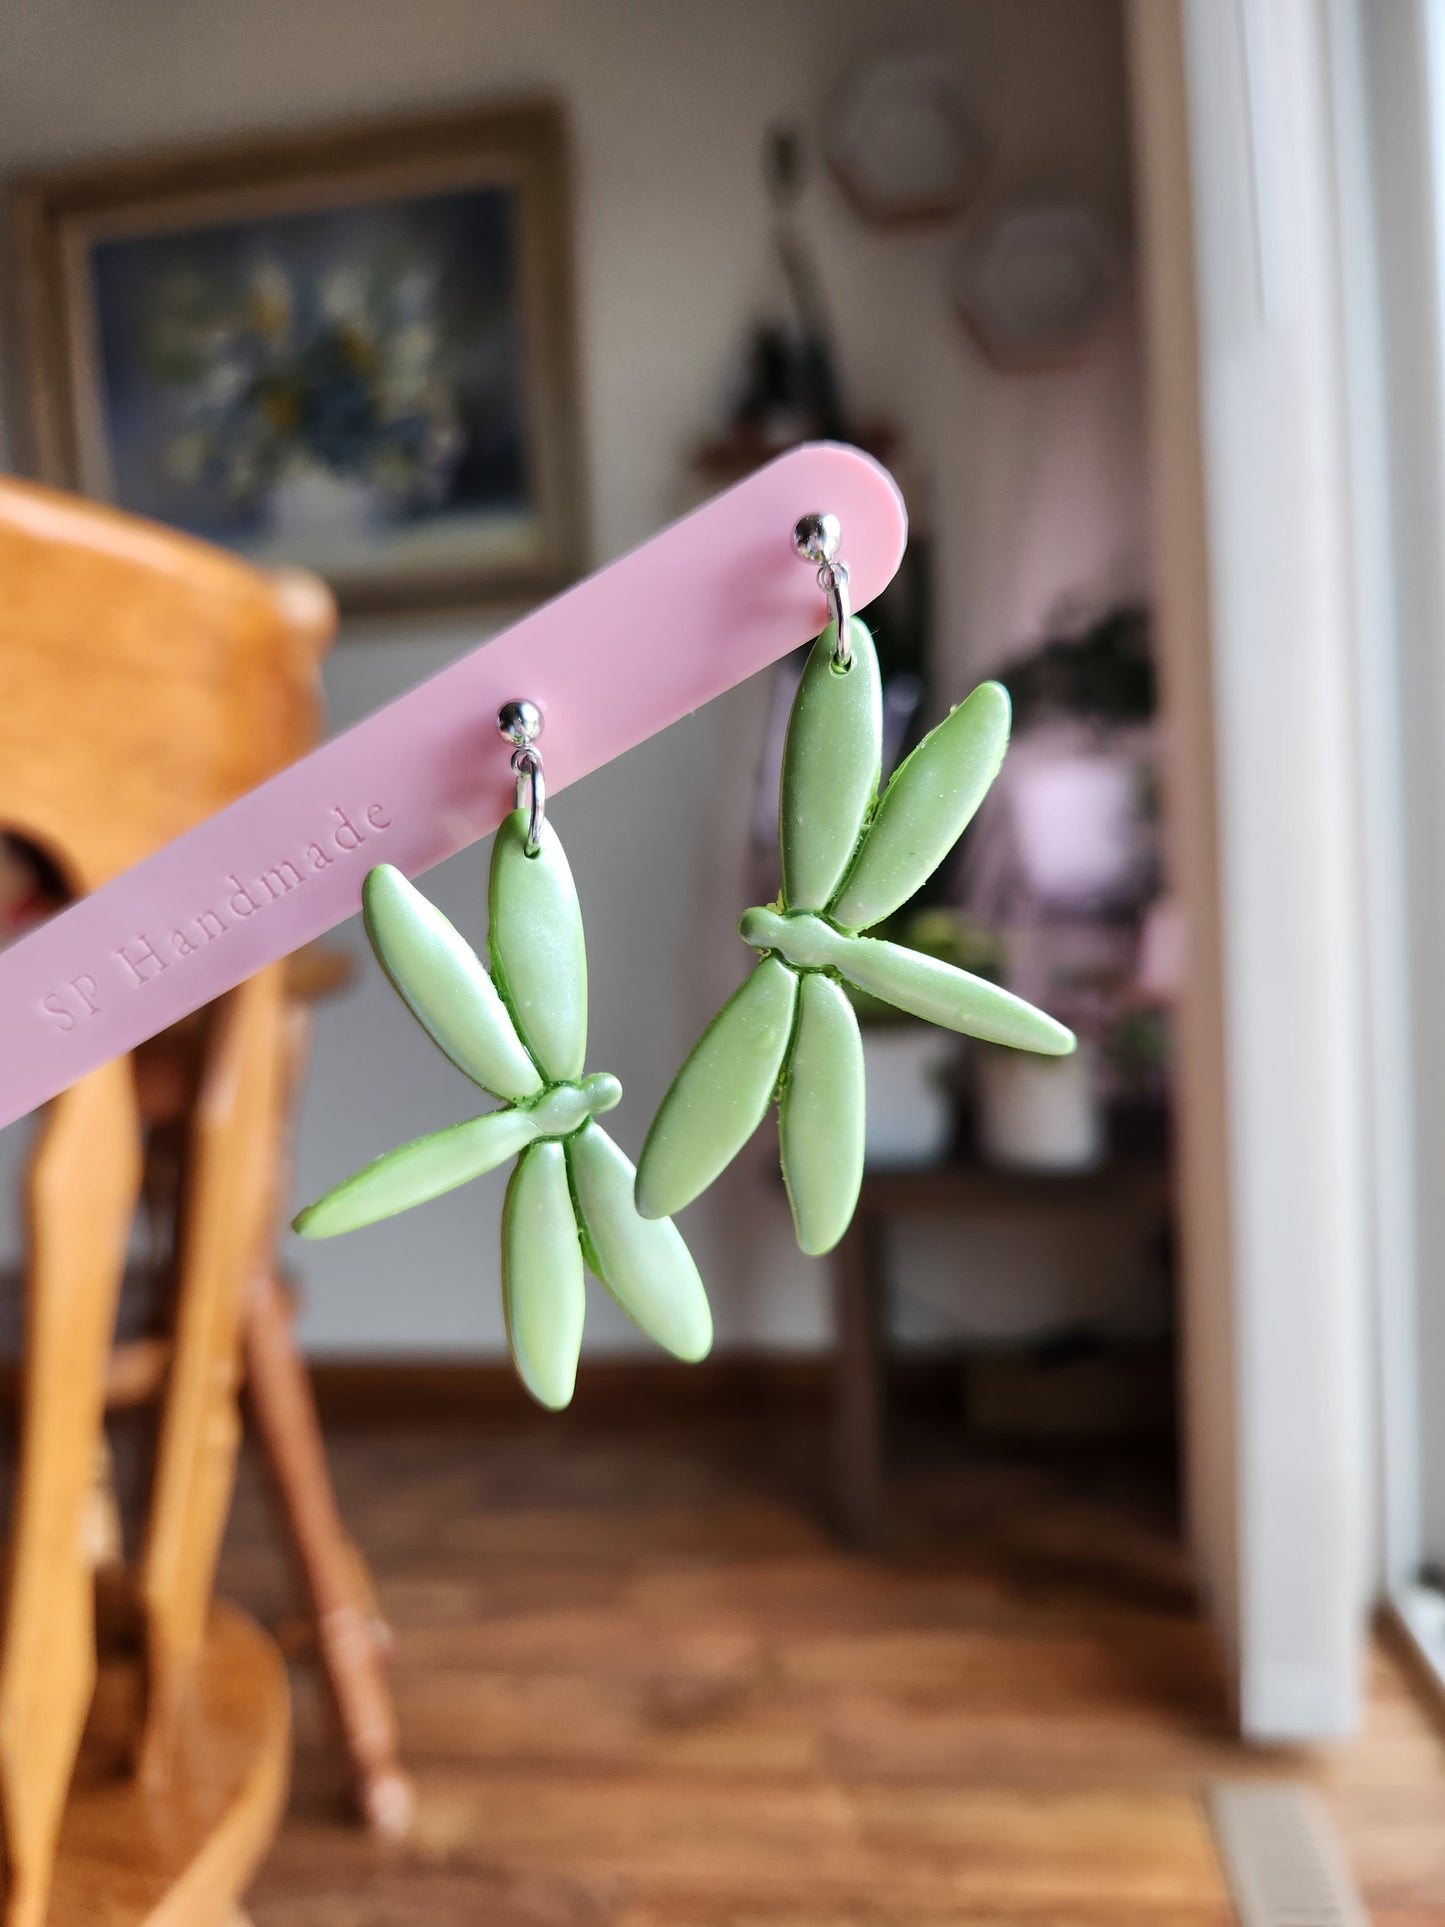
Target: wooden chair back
146,680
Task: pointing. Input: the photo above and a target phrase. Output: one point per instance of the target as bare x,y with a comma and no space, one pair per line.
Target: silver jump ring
816,538
520,723
532,785
833,581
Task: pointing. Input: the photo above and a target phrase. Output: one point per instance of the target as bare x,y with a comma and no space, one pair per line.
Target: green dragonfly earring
850,858
519,1030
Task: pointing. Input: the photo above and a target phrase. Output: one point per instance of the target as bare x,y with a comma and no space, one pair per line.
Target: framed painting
353,350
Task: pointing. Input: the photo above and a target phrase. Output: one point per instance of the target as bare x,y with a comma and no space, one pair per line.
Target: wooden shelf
973,1186
1139,1159
729,457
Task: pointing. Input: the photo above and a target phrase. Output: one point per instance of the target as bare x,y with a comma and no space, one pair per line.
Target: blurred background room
1020,1559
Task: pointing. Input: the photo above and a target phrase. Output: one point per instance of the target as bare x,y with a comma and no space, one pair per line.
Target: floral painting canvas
372,383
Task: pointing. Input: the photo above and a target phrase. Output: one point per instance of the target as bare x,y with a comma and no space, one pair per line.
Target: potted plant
1069,849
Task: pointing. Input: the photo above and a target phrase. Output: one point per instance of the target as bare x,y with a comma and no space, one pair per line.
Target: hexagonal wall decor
901,142
1034,284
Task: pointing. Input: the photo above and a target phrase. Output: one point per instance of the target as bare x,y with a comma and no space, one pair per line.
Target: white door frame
1396,59
1250,423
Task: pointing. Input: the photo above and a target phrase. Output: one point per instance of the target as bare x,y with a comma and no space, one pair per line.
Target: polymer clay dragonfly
519,1030
850,858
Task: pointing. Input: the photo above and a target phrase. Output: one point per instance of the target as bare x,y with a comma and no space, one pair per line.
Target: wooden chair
145,681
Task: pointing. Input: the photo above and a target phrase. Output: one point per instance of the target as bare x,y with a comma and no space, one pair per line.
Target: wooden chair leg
332,1571
224,1237
81,1191
858,1386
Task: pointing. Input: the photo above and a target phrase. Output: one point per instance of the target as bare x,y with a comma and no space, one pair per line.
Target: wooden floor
639,1687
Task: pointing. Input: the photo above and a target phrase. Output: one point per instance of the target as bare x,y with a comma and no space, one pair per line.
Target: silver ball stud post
520,722
817,537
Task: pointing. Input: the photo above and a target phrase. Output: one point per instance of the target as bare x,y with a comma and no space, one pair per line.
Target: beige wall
1033,484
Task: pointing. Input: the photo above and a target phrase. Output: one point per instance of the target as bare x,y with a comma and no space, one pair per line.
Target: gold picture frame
353,349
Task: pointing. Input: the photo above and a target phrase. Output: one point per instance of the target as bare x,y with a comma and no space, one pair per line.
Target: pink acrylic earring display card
643,642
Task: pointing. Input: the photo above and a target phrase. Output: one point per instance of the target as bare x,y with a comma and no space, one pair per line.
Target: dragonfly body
519,1030
850,858
912,982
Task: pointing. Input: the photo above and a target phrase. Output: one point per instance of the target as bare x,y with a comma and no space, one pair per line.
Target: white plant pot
910,1106
1039,1113
1076,817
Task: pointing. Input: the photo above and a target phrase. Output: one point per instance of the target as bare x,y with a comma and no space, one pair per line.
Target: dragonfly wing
721,1094
440,979
939,994
542,1278
539,958
820,1123
643,1262
831,762
415,1172
925,809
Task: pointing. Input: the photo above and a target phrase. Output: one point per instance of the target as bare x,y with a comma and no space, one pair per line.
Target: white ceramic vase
910,1105
1039,1113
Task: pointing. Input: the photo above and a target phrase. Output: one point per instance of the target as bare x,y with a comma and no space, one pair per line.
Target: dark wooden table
1138,1166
